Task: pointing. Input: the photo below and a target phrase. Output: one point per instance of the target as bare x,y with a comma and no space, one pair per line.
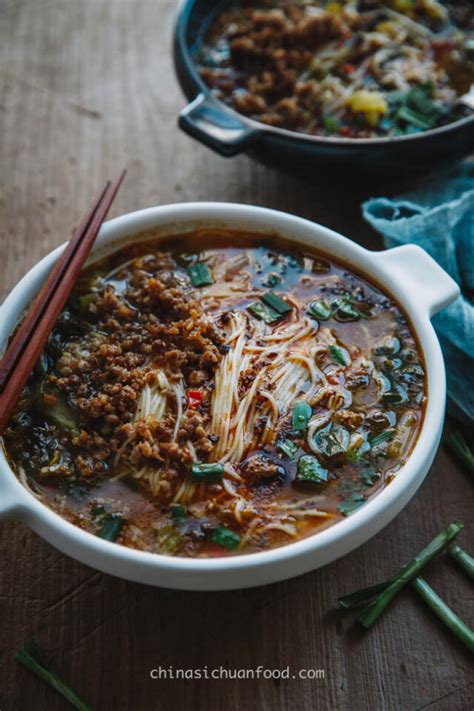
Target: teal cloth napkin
440,218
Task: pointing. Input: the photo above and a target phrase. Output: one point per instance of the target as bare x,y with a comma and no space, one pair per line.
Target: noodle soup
204,396
363,69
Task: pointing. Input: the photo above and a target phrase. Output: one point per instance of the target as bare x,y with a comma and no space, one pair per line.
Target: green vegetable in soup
310,471
300,415
210,473
226,538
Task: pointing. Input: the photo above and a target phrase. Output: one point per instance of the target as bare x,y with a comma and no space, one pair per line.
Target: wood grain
87,86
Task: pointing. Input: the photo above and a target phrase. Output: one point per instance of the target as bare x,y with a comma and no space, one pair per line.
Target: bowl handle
431,286
216,126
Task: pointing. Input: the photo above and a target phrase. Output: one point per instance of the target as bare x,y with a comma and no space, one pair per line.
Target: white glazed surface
407,273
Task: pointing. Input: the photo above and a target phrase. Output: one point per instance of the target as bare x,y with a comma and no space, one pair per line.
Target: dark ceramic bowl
229,133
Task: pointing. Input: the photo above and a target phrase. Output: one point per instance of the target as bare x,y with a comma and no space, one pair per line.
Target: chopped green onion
300,415
340,355
331,440
226,538
415,118
331,124
199,274
276,303
25,657
389,346
263,312
113,524
361,597
288,448
343,308
397,396
351,504
444,613
177,512
382,437
372,612
320,309
368,477
210,473
463,559
310,470
456,443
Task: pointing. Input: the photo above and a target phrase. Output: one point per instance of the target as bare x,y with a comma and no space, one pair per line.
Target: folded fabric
440,218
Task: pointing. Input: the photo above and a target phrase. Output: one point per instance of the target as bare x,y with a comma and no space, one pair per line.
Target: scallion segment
361,597
351,504
25,657
199,274
300,415
444,612
460,448
226,537
276,303
382,437
320,309
372,612
288,448
210,473
310,471
111,528
263,312
462,558
177,512
340,355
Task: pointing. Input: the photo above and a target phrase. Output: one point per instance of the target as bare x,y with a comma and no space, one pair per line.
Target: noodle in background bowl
406,273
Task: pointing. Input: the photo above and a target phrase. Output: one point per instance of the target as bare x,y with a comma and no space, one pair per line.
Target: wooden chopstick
25,348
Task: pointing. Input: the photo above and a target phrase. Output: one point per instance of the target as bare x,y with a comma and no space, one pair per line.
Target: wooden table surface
87,86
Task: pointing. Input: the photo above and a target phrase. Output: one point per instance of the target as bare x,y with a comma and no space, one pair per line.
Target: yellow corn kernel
370,103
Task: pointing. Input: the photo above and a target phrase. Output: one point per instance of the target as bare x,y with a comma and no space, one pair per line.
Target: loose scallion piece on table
340,355
288,448
210,473
25,657
372,612
444,613
320,310
300,415
310,471
199,274
263,312
362,597
276,303
457,444
111,528
462,558
226,538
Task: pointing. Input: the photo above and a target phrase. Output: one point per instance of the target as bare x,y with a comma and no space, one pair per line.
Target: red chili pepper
49,399
194,398
348,68
345,131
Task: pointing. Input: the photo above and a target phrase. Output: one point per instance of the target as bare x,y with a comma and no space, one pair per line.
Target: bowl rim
114,234
183,16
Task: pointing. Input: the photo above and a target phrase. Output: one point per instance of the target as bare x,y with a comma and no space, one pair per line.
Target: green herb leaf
226,538
210,473
332,440
300,415
320,309
199,274
310,470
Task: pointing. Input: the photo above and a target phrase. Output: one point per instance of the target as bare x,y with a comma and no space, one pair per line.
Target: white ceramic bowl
407,273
